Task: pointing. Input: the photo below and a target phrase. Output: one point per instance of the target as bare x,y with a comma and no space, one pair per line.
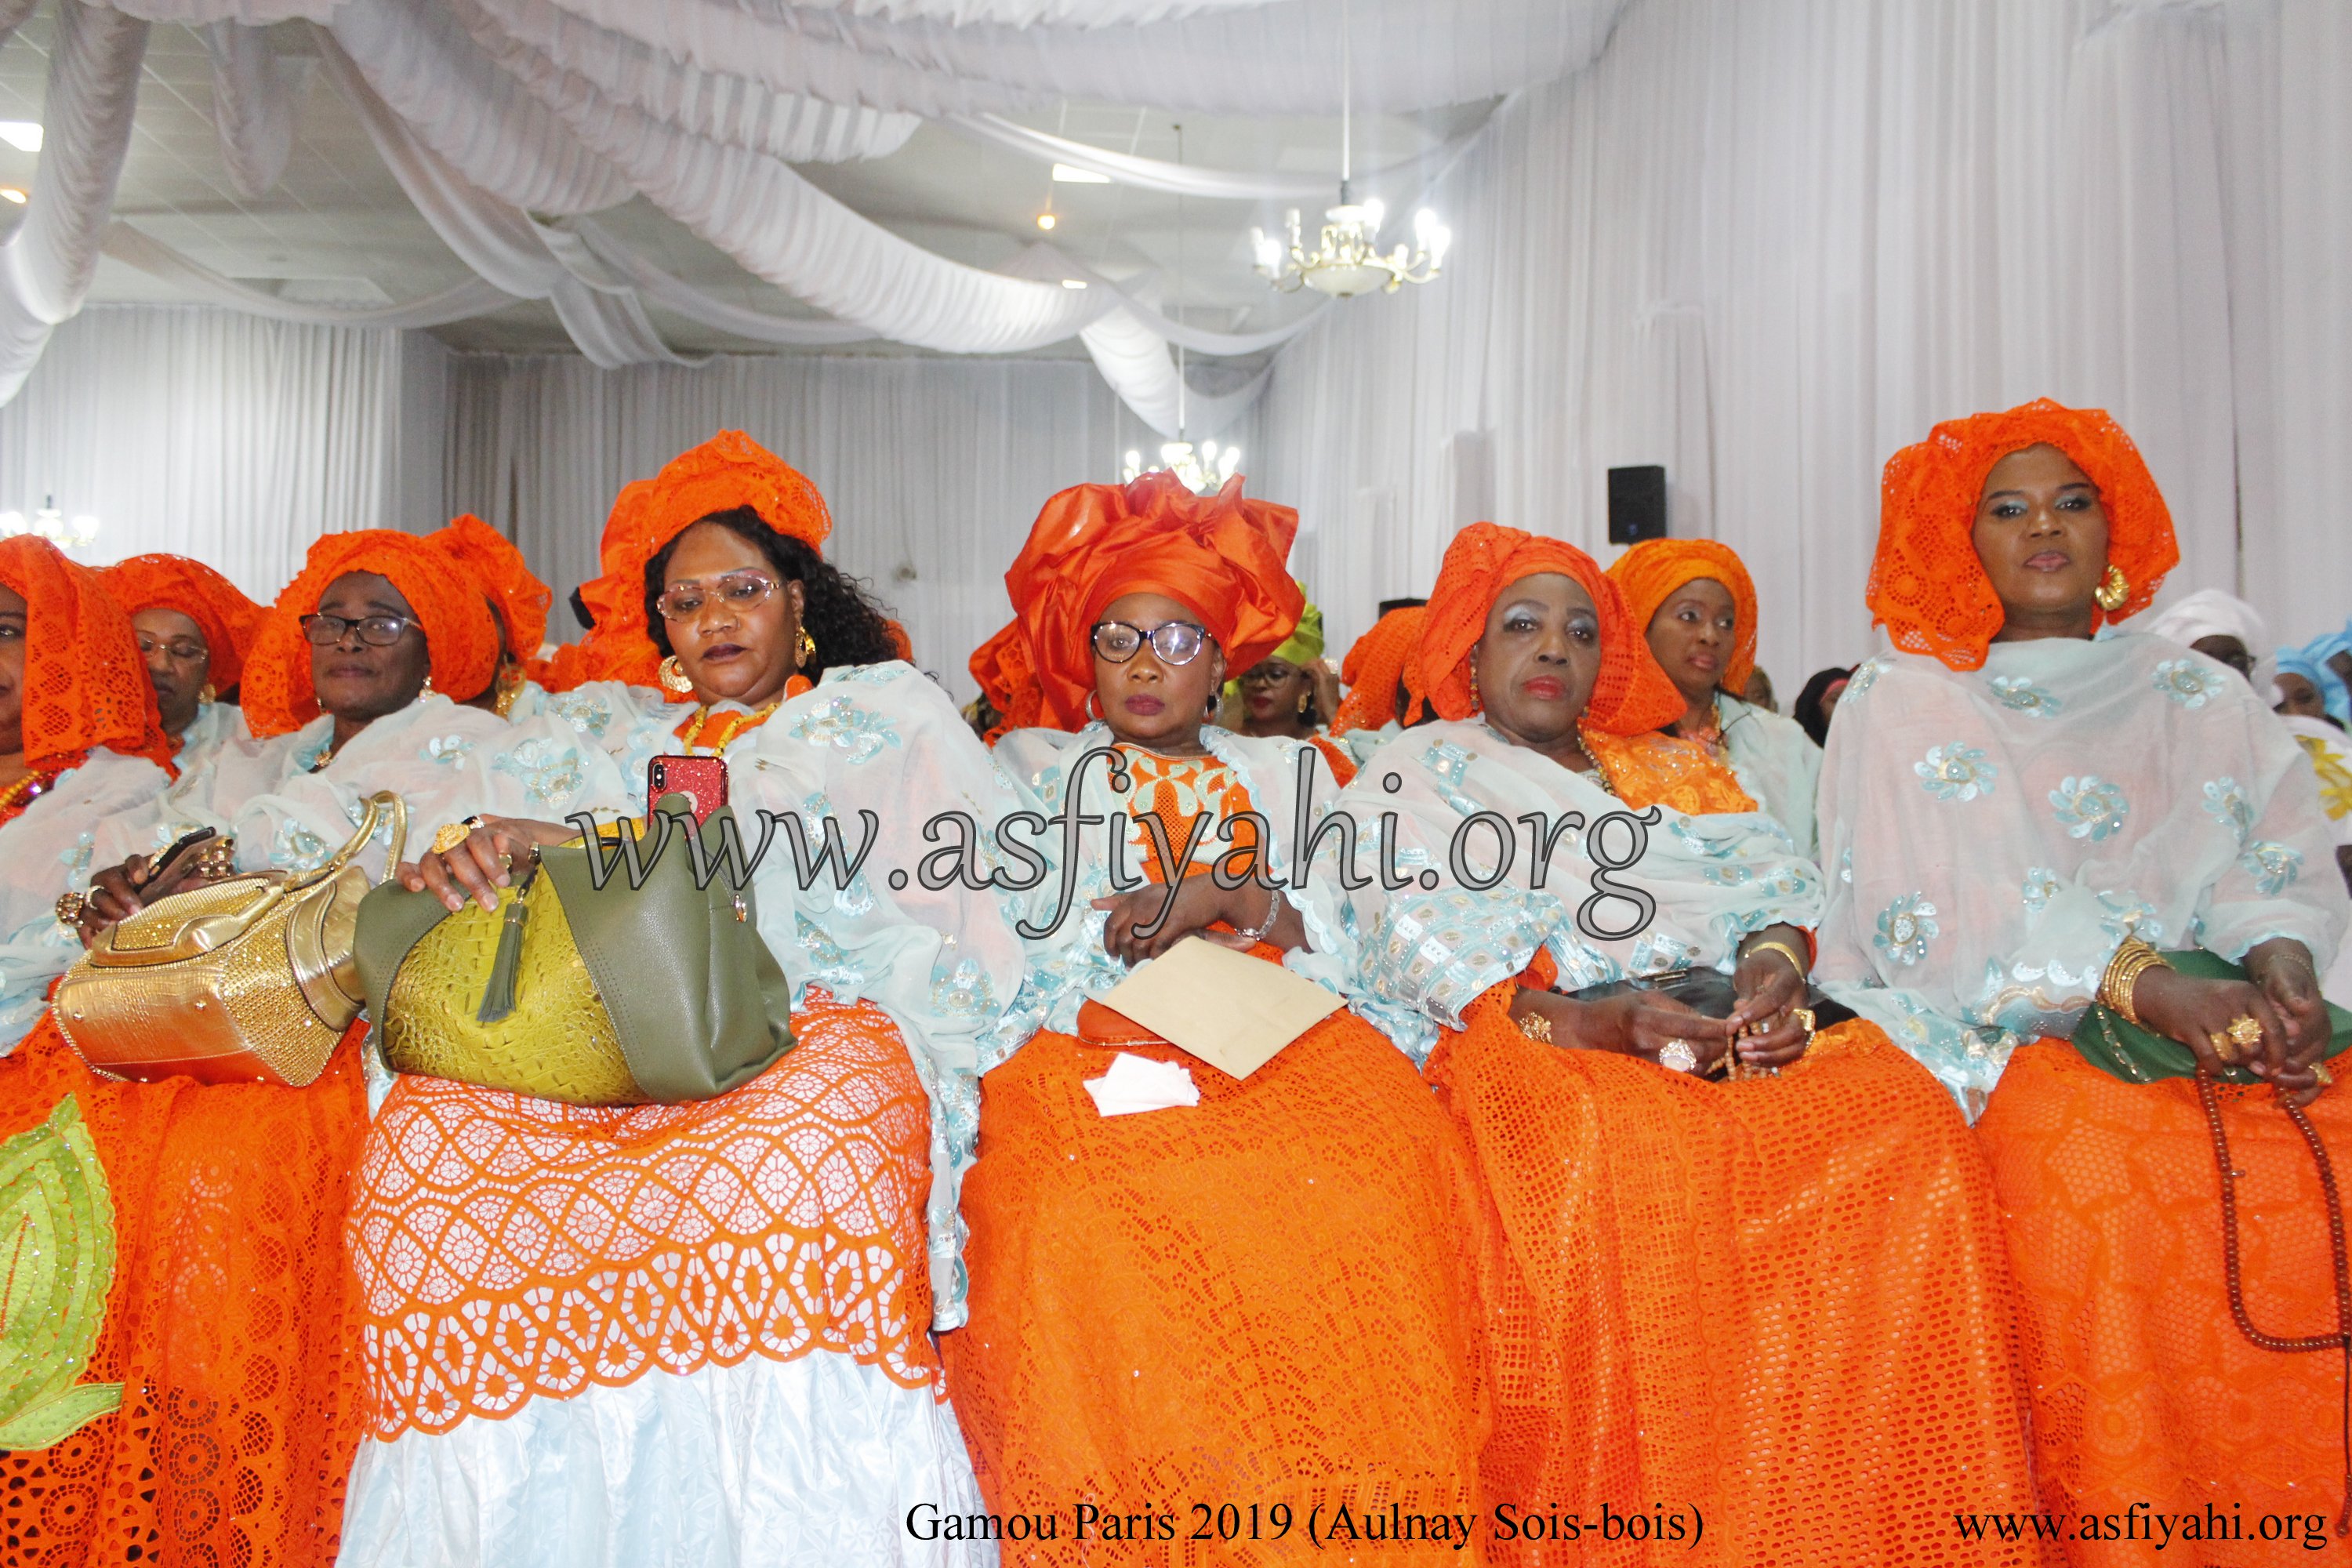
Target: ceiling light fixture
1203,473
25,135
1347,259
1073,282
51,524
1046,221
11,194
1069,175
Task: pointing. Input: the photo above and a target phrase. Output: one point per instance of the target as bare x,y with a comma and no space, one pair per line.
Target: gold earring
674,677
805,651
205,693
2113,590
427,690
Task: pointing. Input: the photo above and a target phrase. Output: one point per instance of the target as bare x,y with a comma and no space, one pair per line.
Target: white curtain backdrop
934,469
226,437
1766,242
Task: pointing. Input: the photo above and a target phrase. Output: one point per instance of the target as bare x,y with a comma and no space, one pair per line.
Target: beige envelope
1233,1011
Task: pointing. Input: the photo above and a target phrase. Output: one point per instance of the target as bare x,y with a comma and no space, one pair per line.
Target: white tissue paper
1140,1083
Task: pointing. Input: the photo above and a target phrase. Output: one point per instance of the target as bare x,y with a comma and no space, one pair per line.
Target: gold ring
69,906
1679,1056
454,834
2223,1047
2319,1070
2246,1030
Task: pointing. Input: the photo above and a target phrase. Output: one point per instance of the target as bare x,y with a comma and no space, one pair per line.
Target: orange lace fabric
1263,1298
228,1323
2144,1389
1659,769
1784,1303
510,1247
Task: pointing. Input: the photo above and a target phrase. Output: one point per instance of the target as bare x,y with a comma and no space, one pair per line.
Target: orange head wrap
1008,679
1379,660
227,618
497,567
1630,695
1926,587
1649,574
1220,556
727,471
460,633
85,684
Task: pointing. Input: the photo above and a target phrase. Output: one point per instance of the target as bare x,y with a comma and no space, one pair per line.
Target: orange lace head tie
460,633
1381,660
84,683
1008,679
227,618
519,600
1220,556
727,471
1631,695
1649,574
1926,587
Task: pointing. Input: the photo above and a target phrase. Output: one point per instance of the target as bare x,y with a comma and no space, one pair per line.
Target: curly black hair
844,621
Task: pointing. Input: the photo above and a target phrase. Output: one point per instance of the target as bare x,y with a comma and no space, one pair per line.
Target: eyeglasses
376,631
735,590
1273,672
187,650
1176,642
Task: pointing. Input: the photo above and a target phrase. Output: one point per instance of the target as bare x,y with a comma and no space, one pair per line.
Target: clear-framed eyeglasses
735,590
1176,642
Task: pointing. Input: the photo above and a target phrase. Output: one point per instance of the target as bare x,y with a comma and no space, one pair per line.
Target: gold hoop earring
508,688
2113,590
804,652
205,693
674,677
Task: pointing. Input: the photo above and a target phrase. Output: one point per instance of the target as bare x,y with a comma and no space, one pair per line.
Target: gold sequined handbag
249,980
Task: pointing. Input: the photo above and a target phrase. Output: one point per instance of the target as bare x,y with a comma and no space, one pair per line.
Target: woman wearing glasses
700,1333
194,629
230,1315
1250,1292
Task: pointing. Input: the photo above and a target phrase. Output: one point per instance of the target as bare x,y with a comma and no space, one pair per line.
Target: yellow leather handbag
249,980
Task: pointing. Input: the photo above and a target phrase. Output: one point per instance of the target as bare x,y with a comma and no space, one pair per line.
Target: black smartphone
175,859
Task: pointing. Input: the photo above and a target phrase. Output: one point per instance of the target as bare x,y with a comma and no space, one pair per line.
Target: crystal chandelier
51,524
1203,472
1347,259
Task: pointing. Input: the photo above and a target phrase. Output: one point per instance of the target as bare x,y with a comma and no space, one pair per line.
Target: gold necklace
1599,768
694,726
21,792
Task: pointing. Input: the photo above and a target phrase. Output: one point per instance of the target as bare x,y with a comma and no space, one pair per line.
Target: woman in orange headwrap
518,599
728,1300
1697,609
1383,679
194,628
229,1323
1251,1295
1750,1289
2030,805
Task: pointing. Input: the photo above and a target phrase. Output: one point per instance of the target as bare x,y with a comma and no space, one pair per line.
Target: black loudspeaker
1388,604
1637,504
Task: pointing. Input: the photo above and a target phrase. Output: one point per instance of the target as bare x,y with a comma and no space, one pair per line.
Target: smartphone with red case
702,780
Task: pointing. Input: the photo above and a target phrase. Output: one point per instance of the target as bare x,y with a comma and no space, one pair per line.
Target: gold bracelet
2133,959
1537,1027
1784,949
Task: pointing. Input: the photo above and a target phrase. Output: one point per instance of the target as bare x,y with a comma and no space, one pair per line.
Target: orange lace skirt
2144,1389
228,1325
1205,1313
1781,1304
510,1247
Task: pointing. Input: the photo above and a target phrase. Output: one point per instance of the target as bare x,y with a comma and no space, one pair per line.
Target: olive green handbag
648,989
2136,1054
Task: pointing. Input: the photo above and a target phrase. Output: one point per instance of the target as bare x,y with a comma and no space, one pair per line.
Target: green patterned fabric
57,1265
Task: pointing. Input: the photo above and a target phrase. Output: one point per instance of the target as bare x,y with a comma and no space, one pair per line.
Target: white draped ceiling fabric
1768,242
508,121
